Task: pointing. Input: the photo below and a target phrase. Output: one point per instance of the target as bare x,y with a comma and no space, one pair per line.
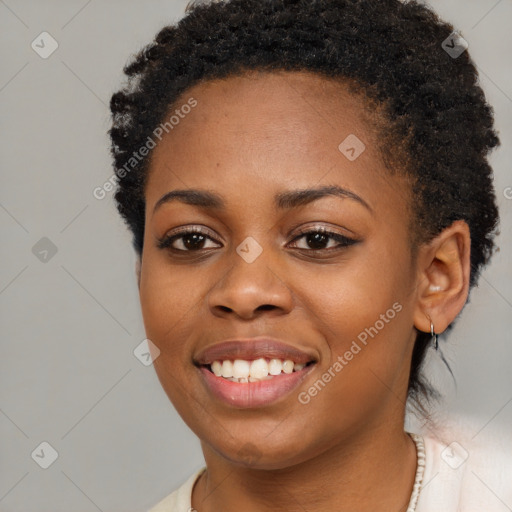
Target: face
328,278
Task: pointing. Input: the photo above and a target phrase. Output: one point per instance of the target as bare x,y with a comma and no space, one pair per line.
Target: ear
443,278
137,270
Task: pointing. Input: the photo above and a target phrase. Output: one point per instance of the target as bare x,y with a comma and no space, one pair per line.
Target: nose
247,290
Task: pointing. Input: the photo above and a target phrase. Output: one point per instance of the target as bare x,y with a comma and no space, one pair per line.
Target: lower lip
253,394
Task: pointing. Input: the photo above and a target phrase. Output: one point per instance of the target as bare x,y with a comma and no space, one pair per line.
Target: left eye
320,237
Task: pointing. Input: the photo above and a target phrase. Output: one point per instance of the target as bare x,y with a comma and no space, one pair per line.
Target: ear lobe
444,269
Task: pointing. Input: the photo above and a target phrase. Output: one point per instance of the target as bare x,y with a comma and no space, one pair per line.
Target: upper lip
250,349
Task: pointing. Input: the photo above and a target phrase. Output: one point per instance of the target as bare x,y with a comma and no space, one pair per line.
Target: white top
459,476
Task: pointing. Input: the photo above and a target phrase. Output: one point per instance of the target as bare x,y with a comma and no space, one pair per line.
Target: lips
250,393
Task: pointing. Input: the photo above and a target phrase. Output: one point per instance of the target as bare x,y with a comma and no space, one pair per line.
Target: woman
310,199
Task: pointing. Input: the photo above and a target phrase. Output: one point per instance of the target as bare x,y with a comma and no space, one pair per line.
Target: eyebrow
283,200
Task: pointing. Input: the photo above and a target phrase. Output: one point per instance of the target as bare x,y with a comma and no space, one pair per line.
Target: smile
248,384
253,372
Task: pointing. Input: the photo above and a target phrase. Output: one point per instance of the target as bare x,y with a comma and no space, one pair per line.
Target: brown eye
318,239
186,240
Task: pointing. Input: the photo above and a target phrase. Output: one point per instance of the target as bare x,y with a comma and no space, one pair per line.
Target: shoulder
181,499
467,469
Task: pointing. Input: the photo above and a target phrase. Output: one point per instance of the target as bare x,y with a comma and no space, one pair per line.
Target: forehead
274,131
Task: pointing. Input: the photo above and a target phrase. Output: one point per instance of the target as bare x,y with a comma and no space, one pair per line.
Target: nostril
266,307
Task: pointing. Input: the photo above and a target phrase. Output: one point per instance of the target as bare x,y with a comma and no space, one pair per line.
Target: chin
261,453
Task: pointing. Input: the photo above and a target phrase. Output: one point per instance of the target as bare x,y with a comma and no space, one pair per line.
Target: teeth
217,368
240,369
227,369
244,371
275,366
259,368
288,366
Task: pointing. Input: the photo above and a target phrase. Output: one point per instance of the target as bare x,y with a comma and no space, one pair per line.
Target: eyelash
343,241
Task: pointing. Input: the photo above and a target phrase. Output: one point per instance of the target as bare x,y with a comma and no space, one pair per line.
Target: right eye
190,240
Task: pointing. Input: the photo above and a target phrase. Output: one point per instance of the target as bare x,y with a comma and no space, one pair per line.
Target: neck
372,470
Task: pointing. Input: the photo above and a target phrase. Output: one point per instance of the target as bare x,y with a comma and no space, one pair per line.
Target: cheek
364,314
353,297
168,303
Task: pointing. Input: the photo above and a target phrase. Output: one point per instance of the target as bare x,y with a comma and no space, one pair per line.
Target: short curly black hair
396,52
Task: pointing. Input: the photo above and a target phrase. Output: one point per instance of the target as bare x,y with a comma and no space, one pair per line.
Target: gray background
70,324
